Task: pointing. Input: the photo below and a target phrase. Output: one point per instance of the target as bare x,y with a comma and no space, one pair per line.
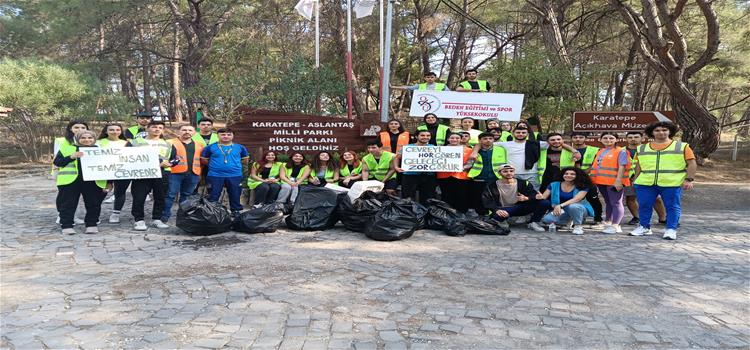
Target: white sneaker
670,234
109,200
577,230
148,197
159,224
68,231
641,231
618,228
609,229
140,226
114,218
536,227
57,221
91,230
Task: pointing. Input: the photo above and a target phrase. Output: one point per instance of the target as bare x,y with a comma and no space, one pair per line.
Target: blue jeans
647,196
184,184
575,212
232,185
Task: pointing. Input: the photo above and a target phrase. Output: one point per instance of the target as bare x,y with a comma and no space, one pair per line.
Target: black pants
455,192
592,196
140,188
425,184
121,187
537,209
476,188
67,202
266,193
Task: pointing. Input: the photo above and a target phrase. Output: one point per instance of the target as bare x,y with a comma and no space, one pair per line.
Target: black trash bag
456,229
397,220
440,215
485,226
358,215
198,216
420,211
265,219
314,209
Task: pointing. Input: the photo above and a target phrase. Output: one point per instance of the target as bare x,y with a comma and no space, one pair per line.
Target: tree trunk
146,66
175,98
620,88
458,46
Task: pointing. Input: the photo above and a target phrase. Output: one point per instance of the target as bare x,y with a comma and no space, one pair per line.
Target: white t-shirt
516,155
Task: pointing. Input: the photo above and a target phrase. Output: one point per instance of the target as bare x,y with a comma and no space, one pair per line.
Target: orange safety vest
461,175
182,166
604,171
385,139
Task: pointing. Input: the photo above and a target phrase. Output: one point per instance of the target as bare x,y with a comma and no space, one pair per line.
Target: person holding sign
378,164
412,181
184,175
454,186
510,196
265,179
484,169
438,132
226,161
326,170
395,137
350,169
141,187
140,129
609,173
112,137
71,187
429,84
471,84
467,125
295,174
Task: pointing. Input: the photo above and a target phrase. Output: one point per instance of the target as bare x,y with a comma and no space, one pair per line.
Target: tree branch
712,39
731,104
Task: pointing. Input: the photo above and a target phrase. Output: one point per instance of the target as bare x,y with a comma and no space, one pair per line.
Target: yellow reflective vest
665,168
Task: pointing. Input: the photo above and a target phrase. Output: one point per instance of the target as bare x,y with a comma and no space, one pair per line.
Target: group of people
508,172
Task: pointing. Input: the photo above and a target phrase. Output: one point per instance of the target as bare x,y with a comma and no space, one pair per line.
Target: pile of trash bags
198,216
264,219
441,216
314,209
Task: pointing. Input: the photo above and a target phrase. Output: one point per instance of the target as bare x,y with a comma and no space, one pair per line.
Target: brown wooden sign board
261,131
618,120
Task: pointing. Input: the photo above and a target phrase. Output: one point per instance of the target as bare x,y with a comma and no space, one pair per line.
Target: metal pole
349,96
735,147
380,62
317,55
385,97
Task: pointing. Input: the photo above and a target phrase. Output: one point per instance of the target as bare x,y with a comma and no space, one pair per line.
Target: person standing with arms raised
665,168
226,163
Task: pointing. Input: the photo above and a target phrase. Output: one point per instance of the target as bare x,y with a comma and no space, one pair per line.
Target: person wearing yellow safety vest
588,153
487,159
665,168
506,131
265,179
185,174
71,186
206,135
412,181
294,175
73,127
471,84
324,170
467,125
350,169
510,196
609,173
438,132
378,165
139,130
557,157
141,187
429,84
634,140
112,137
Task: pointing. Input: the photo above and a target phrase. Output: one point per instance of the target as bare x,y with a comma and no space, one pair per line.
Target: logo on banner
428,103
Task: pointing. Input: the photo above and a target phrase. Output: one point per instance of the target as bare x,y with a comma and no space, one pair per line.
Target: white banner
477,105
432,158
120,163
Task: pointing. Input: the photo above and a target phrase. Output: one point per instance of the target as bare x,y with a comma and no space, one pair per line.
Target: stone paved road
339,290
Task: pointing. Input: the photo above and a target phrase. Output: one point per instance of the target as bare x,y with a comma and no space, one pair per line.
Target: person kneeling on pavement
568,198
509,197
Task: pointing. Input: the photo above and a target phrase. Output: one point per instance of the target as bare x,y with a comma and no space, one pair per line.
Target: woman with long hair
568,198
350,169
609,173
112,137
325,170
454,186
265,179
67,142
294,175
395,137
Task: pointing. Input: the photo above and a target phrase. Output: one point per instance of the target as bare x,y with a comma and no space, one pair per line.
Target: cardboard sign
432,158
477,105
619,121
124,163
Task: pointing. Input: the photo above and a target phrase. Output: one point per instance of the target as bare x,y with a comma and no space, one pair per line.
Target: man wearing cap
509,197
139,130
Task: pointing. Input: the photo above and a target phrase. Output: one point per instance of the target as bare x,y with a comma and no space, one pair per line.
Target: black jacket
491,195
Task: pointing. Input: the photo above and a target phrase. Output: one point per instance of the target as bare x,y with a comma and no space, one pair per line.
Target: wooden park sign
282,132
618,120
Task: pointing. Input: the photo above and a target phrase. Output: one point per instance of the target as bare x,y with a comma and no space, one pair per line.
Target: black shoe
662,222
634,221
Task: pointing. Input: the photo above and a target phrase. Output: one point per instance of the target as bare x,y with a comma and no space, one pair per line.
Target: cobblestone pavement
339,290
